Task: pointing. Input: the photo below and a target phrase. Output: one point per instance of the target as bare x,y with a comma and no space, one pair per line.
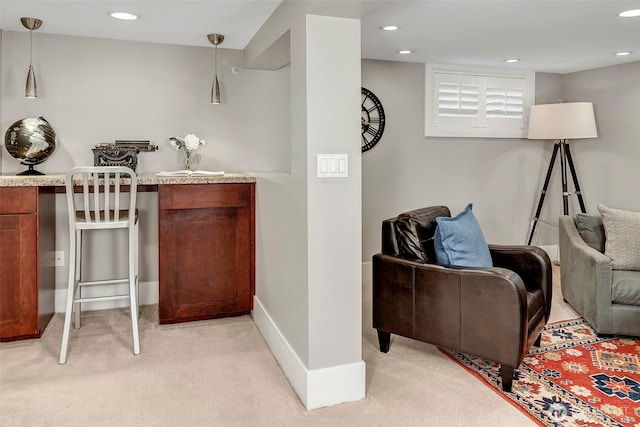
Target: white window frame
478,125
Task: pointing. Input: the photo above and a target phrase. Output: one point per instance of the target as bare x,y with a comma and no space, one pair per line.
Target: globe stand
30,171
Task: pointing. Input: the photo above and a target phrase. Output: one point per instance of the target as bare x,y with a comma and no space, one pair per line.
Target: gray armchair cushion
625,287
622,229
591,229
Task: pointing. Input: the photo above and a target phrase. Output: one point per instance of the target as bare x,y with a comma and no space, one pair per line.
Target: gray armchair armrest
585,276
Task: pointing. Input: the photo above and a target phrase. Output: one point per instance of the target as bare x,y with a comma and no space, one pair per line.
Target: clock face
372,120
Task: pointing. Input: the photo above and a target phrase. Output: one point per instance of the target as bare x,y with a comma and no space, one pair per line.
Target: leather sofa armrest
394,271
531,263
474,310
494,304
585,277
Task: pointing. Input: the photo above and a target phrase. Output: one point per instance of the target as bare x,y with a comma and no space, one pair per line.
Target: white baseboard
147,294
367,271
315,388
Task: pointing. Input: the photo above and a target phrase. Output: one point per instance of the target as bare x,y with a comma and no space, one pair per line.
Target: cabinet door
18,275
206,252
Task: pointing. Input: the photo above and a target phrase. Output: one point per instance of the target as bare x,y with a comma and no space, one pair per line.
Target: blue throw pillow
459,241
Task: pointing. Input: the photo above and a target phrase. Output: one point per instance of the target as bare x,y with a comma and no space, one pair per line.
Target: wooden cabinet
207,250
27,275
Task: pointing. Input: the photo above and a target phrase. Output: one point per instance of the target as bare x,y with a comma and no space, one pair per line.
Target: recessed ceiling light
390,28
630,13
512,60
125,16
405,52
623,53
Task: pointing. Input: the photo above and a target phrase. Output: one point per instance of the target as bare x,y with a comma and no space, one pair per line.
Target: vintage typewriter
121,153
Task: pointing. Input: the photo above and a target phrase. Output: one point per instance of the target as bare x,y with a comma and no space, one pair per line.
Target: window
477,102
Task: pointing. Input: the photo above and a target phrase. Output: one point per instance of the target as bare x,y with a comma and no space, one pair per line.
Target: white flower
189,143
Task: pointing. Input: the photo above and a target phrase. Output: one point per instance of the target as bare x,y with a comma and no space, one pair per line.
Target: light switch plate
333,166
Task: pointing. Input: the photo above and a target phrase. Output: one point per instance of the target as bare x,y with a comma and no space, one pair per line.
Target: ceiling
557,36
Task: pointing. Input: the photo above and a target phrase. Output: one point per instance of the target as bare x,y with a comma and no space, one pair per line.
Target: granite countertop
54,180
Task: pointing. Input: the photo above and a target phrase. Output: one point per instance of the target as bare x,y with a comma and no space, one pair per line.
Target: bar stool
101,206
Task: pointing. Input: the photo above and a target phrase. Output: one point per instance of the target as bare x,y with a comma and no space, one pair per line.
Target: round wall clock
372,119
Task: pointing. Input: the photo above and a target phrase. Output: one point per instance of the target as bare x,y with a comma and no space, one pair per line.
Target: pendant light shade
31,88
215,91
215,39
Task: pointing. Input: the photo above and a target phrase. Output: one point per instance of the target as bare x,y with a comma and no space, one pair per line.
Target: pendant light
31,90
215,39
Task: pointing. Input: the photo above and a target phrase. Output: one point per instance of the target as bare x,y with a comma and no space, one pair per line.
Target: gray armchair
606,298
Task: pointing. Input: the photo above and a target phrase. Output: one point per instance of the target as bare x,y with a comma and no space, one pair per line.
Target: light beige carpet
221,373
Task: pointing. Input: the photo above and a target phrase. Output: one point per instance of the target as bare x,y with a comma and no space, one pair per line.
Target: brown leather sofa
496,313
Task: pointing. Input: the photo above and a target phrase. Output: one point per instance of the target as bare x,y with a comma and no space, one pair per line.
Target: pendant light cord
30,46
216,61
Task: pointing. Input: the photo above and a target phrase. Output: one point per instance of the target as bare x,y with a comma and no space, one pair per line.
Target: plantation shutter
504,103
458,100
470,102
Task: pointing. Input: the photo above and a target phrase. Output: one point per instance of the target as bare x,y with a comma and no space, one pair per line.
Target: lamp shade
570,120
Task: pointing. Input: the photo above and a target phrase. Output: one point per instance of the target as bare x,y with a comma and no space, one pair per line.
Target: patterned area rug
573,379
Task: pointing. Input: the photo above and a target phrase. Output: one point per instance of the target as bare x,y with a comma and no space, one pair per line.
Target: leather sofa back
410,234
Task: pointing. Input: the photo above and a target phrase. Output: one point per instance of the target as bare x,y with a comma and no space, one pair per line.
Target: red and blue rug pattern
574,378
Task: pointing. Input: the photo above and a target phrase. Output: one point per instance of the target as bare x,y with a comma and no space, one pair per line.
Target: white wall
308,288
95,91
406,170
609,166
1,85
503,178
335,216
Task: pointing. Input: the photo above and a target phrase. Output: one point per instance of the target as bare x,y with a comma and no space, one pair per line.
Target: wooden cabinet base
27,275
206,248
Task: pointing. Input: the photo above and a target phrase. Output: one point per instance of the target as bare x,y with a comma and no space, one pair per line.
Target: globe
32,141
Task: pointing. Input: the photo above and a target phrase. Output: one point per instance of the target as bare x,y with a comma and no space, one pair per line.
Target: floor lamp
561,122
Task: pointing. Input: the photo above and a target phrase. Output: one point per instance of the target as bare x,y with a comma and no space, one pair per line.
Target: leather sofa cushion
415,230
625,287
535,304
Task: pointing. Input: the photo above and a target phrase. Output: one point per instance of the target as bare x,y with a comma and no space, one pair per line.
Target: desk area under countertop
212,216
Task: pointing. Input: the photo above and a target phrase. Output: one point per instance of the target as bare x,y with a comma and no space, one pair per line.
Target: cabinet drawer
18,200
198,196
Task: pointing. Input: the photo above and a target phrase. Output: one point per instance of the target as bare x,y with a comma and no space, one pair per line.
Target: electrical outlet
58,259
